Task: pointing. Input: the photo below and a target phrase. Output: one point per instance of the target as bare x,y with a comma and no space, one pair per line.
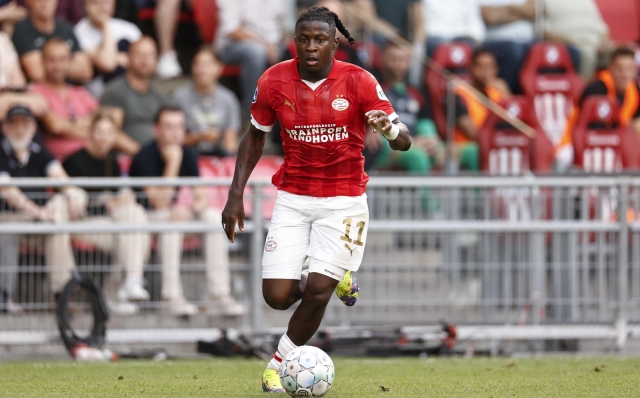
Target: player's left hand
379,120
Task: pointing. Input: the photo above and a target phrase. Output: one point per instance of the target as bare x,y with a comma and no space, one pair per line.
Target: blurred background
514,216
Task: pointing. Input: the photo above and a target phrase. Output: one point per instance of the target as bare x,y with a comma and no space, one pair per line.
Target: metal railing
525,251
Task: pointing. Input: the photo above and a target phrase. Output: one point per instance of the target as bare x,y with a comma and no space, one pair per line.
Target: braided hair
322,14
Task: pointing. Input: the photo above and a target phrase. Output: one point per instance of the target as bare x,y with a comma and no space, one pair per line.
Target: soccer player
323,106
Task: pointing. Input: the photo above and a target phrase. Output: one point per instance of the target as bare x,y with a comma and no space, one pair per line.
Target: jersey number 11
346,237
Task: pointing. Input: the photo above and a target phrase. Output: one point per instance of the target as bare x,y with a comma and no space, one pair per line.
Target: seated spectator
618,82
345,51
453,20
250,34
134,93
131,250
32,33
510,33
167,157
213,111
412,110
470,112
106,40
579,24
10,14
13,83
68,117
21,157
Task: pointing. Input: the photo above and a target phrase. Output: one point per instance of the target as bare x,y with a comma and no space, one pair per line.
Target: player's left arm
394,131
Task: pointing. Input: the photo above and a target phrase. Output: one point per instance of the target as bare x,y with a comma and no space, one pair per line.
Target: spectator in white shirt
452,20
250,34
579,24
106,40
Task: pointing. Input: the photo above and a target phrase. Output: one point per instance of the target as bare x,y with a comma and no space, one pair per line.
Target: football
307,372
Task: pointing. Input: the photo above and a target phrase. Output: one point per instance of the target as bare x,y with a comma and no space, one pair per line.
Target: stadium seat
147,12
550,81
602,146
506,151
598,140
623,19
205,15
454,57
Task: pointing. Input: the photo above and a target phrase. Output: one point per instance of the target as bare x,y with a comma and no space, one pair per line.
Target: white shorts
330,231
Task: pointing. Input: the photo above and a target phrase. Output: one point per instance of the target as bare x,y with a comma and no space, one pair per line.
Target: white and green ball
307,372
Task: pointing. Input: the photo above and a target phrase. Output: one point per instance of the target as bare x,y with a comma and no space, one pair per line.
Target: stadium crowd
88,90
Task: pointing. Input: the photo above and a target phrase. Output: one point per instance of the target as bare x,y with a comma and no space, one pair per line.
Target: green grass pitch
524,377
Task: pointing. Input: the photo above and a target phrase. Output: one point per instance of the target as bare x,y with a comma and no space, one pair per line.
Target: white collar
313,86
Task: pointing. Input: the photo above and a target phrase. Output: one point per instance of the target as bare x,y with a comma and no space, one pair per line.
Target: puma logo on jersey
350,249
292,105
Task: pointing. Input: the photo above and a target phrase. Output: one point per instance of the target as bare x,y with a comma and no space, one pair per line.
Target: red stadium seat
456,58
549,79
598,141
506,151
205,15
601,146
623,19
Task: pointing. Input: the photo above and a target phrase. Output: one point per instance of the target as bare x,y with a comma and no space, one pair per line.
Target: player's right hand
233,214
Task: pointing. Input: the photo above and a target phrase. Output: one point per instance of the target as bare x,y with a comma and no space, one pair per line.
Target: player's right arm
249,152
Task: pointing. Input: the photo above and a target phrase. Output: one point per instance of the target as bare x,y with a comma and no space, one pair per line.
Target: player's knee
277,300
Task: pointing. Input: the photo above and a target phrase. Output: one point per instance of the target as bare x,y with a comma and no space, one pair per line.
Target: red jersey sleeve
262,114
373,98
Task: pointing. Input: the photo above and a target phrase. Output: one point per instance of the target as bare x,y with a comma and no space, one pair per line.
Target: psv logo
340,104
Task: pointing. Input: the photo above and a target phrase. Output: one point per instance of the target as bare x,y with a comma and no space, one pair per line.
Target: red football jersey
323,126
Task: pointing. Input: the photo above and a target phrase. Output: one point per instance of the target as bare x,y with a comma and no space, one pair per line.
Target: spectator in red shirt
68,118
